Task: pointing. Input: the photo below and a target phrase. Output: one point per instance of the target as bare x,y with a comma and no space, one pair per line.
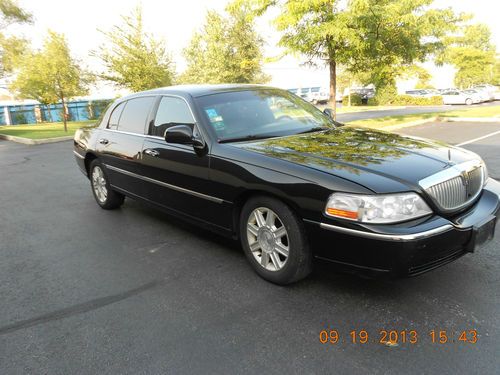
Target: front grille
455,187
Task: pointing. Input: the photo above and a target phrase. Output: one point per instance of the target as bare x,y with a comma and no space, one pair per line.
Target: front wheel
274,241
105,197
468,101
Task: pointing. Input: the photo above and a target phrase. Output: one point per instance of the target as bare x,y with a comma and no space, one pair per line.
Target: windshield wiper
315,129
246,138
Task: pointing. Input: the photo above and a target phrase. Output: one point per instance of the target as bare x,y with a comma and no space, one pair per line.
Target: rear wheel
105,197
274,241
468,101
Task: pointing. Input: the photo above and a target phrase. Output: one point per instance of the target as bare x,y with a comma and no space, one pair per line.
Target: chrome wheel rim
268,239
99,184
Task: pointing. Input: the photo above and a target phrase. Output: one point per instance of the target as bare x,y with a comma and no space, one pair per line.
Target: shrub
357,100
415,100
20,118
394,100
386,93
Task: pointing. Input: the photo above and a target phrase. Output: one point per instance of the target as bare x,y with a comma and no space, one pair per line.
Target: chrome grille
456,186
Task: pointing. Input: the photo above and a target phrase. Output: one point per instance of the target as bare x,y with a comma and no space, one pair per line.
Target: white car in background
493,92
319,95
421,93
483,95
460,97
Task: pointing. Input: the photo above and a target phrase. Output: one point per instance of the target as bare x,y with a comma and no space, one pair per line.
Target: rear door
120,143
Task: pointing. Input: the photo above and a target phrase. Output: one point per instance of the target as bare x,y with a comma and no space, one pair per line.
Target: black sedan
262,165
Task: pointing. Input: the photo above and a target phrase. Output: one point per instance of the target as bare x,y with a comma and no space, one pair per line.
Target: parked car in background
422,93
490,90
364,92
319,95
290,184
460,97
483,95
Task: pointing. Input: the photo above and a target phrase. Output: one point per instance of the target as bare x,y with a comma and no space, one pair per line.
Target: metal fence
36,113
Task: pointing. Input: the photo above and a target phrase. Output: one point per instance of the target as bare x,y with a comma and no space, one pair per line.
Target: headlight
377,209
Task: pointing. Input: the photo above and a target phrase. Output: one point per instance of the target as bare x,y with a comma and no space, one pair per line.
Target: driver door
176,176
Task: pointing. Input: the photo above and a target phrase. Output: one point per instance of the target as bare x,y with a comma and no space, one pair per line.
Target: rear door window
135,114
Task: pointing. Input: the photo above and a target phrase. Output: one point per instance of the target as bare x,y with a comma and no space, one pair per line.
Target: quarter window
115,116
171,111
134,115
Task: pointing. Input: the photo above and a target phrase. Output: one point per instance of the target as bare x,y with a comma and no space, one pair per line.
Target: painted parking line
478,138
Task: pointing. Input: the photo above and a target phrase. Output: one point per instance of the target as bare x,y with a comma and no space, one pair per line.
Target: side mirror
183,134
328,112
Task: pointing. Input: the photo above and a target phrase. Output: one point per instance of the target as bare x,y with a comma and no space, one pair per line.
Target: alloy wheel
268,239
99,184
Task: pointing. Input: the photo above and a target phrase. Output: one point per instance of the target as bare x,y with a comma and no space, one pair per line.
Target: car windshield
257,114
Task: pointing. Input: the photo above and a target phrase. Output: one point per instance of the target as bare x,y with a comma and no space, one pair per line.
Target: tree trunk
333,87
49,111
64,113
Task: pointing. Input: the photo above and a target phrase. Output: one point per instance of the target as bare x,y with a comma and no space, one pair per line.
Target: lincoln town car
265,167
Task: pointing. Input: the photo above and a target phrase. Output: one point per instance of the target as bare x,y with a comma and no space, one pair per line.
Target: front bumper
406,249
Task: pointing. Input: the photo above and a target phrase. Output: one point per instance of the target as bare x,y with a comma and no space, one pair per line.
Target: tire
105,197
468,101
269,230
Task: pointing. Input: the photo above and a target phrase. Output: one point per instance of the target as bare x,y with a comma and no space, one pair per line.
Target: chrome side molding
164,184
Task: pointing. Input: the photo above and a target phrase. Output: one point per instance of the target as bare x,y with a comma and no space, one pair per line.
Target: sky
175,21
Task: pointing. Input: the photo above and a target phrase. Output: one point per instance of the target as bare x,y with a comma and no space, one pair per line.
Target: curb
29,141
470,119
400,126
411,123
365,109
434,119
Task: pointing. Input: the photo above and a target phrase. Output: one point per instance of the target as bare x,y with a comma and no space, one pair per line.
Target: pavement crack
24,161
76,309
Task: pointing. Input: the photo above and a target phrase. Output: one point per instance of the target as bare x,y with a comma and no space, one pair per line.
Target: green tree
496,73
11,47
226,50
11,12
472,54
51,75
135,59
363,35
416,71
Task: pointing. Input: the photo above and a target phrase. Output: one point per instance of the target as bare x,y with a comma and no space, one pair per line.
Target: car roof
200,90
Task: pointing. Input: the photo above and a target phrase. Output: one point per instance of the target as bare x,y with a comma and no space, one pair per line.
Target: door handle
150,152
103,141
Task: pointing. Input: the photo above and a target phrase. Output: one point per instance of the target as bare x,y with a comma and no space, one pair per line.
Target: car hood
380,161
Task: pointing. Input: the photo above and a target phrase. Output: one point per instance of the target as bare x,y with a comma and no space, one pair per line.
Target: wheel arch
89,157
245,196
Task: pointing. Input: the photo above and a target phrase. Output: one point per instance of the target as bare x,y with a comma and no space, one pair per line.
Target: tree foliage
11,12
472,54
51,75
375,36
226,50
134,59
496,73
11,47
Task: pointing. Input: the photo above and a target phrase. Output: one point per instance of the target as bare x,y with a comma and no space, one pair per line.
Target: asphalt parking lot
134,291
